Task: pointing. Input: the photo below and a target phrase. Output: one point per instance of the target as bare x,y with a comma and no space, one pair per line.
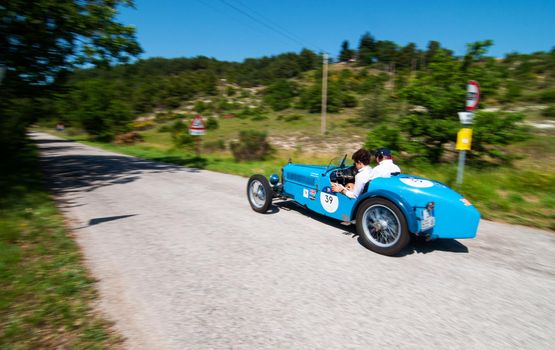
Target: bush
349,101
259,117
182,139
384,136
549,112
180,134
143,124
200,107
252,145
373,110
292,117
212,123
213,146
279,94
128,138
547,96
493,131
164,117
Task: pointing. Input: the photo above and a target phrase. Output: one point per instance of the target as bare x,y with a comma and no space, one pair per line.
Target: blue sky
233,30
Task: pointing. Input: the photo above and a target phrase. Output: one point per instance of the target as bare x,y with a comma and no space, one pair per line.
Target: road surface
184,263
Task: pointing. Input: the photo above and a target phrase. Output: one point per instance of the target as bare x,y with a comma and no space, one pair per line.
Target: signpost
197,128
464,136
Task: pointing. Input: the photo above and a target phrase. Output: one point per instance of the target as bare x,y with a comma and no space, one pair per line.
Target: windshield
336,162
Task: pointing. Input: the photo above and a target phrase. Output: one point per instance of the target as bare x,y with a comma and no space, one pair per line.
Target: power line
297,38
221,11
273,28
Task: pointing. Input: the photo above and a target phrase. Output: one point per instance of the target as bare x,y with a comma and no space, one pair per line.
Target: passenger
362,163
385,167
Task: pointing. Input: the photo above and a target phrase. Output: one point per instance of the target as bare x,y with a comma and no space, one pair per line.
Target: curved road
184,263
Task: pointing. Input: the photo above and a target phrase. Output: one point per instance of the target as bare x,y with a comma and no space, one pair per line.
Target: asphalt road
184,263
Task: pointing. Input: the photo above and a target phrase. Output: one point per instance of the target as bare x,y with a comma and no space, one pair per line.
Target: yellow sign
464,139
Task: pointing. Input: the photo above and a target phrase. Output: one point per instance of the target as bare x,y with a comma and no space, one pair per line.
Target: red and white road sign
197,126
472,95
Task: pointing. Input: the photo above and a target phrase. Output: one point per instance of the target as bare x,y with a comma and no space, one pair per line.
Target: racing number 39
329,202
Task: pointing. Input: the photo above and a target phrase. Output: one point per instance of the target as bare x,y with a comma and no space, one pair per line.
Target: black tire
259,193
382,227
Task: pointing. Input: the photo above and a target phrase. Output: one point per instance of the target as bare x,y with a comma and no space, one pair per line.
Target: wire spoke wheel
382,226
259,193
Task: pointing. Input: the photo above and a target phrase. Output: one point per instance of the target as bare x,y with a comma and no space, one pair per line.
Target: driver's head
362,156
383,153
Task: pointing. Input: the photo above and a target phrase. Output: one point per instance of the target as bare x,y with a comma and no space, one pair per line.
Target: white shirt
361,178
384,169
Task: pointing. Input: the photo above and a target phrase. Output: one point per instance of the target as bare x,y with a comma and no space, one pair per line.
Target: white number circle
412,182
330,202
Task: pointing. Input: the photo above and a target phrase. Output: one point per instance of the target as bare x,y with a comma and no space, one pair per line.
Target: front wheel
259,193
382,226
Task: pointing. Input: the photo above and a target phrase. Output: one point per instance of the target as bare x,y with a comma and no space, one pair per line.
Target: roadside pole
2,72
197,128
324,93
464,136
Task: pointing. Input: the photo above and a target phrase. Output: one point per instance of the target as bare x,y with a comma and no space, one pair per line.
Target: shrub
280,93
200,107
349,101
212,123
143,124
182,139
164,117
165,128
547,96
128,138
178,126
259,117
549,112
292,117
213,146
373,109
180,134
384,136
252,145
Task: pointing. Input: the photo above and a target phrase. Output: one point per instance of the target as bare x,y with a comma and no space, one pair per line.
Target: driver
385,167
362,163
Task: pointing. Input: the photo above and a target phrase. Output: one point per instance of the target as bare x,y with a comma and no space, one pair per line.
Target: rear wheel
259,193
382,226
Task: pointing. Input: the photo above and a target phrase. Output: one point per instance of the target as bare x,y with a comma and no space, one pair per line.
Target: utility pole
2,72
324,93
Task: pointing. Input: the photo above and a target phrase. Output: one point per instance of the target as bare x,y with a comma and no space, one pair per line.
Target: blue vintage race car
386,214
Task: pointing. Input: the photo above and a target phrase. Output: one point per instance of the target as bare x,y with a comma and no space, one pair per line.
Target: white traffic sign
197,126
472,95
466,117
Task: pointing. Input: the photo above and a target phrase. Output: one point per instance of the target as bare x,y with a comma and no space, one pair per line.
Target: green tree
366,49
432,49
311,98
346,53
42,41
280,94
386,51
96,106
308,60
475,52
492,132
407,57
384,136
373,109
441,89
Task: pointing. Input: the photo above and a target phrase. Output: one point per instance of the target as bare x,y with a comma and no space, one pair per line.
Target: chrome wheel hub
381,225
